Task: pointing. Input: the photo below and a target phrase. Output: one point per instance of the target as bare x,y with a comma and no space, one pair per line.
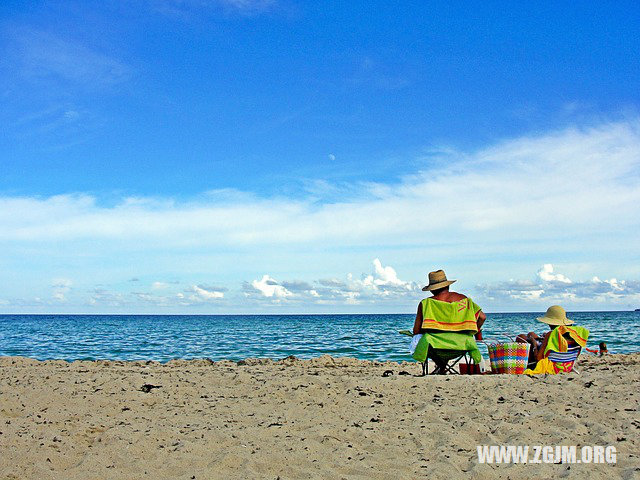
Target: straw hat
555,316
437,279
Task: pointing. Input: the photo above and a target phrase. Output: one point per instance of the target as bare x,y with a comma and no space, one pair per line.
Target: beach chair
565,361
447,349
556,362
445,360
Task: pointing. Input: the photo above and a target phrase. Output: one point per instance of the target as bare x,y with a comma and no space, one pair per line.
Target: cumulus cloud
382,284
549,195
554,287
204,292
546,274
384,276
269,287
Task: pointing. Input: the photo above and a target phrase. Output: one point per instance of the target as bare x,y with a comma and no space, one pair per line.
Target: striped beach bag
510,357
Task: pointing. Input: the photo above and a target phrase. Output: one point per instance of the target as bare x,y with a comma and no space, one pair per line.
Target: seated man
560,336
447,321
439,286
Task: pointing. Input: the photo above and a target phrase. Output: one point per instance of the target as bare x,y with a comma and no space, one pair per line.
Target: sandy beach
320,418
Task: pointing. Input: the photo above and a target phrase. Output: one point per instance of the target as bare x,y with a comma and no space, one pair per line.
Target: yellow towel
543,367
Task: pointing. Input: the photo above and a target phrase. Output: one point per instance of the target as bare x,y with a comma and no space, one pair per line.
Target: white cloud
613,283
546,196
195,295
382,285
384,276
554,287
566,182
546,274
203,292
269,287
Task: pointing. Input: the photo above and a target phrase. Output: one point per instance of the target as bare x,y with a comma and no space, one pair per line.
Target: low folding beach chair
446,349
445,360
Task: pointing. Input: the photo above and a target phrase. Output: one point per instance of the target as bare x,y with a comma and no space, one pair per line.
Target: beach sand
295,419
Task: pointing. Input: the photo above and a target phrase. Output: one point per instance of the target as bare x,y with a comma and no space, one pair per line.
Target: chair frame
571,355
448,366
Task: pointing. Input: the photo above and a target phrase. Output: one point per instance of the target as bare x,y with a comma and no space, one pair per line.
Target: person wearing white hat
555,316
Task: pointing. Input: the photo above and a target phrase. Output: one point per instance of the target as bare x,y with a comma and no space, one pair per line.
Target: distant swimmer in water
603,348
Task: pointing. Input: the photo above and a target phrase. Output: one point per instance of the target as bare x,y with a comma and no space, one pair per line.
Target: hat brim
438,285
555,321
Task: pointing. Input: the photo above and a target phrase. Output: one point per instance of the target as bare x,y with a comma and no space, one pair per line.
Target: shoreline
324,417
263,360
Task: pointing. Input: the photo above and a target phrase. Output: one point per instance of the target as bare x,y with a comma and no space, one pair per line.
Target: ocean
235,337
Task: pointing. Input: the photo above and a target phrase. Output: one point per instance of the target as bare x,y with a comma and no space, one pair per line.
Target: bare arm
480,321
417,326
540,351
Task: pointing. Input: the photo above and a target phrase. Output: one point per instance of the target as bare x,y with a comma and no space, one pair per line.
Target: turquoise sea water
234,337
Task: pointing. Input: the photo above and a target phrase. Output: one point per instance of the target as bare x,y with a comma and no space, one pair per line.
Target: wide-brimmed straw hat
437,279
555,316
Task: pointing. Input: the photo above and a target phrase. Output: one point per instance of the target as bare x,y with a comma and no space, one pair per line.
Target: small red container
469,369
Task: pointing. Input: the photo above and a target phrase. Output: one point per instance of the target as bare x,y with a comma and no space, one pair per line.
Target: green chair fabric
447,341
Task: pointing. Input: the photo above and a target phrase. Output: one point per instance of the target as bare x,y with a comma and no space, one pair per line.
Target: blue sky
214,156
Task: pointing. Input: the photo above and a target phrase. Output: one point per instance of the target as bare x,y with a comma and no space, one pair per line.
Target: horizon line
283,314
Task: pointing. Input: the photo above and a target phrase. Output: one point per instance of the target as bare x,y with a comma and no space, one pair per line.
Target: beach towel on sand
457,316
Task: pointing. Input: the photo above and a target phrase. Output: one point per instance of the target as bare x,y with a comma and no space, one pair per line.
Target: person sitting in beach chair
557,350
445,326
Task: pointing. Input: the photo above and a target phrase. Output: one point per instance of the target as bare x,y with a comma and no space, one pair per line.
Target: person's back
445,295
447,321
439,286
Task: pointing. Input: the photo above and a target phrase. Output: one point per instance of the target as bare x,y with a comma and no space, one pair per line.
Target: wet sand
298,419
